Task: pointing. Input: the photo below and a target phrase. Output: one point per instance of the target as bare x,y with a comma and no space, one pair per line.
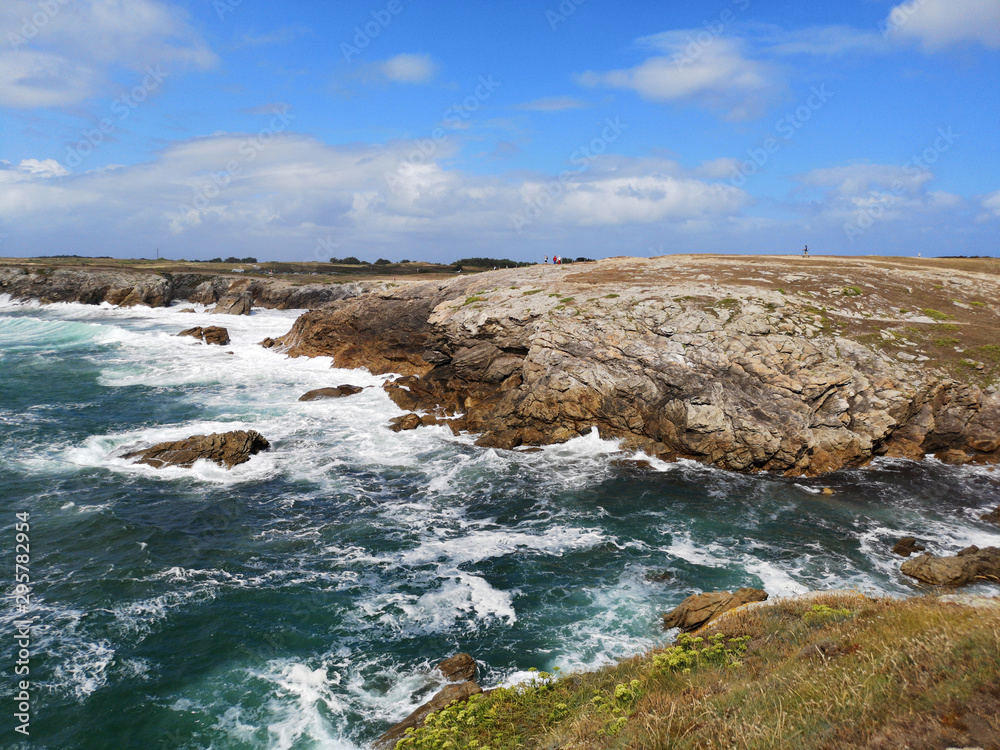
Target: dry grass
836,672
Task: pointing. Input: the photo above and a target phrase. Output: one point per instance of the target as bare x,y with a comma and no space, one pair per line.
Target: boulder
234,304
227,449
458,667
953,457
405,422
700,609
992,517
907,546
210,334
971,565
339,392
269,343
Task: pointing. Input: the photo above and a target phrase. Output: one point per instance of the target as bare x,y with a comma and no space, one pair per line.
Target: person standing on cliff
546,260
805,251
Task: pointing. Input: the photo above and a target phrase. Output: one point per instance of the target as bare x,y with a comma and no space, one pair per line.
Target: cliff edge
794,365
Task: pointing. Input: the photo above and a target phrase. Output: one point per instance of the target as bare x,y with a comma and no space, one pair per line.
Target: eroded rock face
971,565
700,609
460,671
226,449
339,392
210,334
240,303
748,382
992,517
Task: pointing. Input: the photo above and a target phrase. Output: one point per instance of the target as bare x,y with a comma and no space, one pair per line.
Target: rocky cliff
783,364
130,288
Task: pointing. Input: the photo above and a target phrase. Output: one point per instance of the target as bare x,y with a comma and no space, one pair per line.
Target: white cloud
407,68
72,54
554,104
822,40
941,23
717,73
859,179
991,203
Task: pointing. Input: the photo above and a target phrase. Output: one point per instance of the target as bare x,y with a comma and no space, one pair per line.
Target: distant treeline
230,259
92,257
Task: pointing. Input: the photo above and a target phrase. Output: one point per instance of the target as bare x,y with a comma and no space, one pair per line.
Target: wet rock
234,304
971,565
269,343
405,422
992,517
339,392
458,667
700,609
907,546
226,449
210,334
188,310
953,457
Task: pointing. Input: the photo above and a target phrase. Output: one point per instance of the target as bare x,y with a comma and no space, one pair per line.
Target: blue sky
303,130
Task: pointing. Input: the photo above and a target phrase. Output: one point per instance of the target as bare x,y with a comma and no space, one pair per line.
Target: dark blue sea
299,600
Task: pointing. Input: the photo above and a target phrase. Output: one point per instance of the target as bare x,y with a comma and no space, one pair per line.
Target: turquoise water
300,600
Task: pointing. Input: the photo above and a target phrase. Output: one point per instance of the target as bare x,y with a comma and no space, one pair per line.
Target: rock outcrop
152,289
742,377
210,334
971,565
339,392
240,303
700,609
992,517
907,546
460,671
226,449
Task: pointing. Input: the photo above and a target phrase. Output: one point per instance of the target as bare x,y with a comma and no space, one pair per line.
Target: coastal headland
778,363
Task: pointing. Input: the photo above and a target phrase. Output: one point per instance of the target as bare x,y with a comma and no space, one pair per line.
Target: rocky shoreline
131,288
748,363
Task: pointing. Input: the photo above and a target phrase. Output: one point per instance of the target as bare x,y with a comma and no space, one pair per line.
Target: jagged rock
227,449
953,457
234,304
405,422
210,334
992,517
907,546
529,357
968,566
269,343
188,310
339,392
458,667
700,609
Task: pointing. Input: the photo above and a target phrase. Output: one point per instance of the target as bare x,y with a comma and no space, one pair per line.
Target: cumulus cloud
408,68
717,73
937,24
857,179
991,203
65,53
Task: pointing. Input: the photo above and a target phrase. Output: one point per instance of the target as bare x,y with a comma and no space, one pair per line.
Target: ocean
301,599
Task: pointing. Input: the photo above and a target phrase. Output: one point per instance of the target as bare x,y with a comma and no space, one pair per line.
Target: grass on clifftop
835,672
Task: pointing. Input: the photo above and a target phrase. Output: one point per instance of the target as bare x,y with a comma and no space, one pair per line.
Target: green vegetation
946,341
610,296
471,300
936,314
834,672
978,304
986,352
851,291
730,302
529,293
566,300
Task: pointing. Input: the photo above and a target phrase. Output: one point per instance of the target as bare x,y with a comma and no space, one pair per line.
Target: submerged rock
458,667
700,609
907,546
971,565
227,449
210,334
992,517
339,392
